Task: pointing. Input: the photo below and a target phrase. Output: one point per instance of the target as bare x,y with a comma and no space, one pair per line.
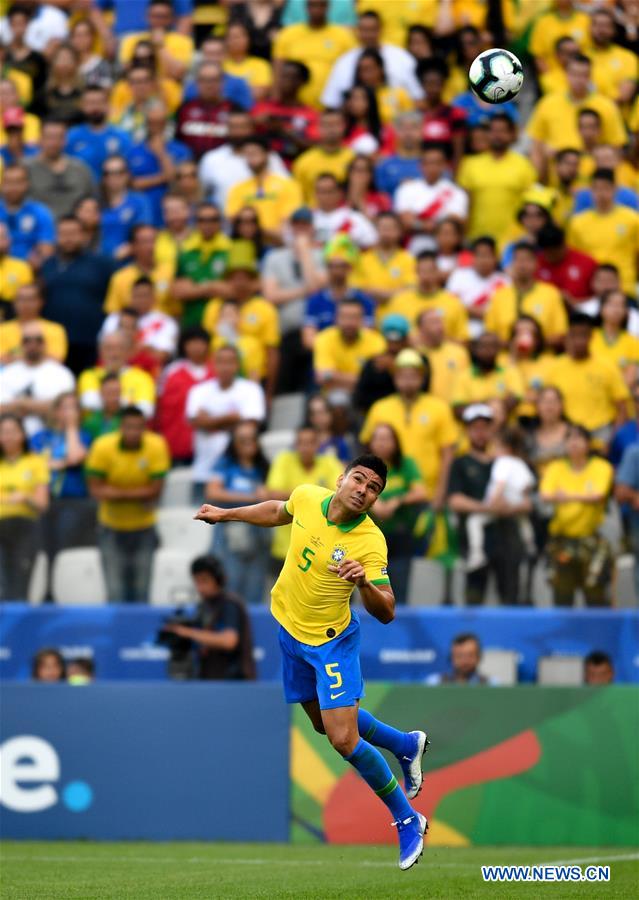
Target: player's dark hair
550,237
192,333
603,175
485,241
464,637
211,566
598,658
369,461
131,412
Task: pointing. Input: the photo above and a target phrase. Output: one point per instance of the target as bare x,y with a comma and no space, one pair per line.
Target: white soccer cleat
412,765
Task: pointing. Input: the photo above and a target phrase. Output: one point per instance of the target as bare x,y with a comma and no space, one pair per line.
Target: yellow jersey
398,17
274,199
611,237
121,97
554,120
310,602
376,271
317,48
571,518
287,473
255,71
611,67
622,352
446,363
55,340
123,468
412,303
121,283
258,319
137,388
177,45
591,389
550,26
495,186
315,162
533,375
543,302
14,274
331,353
424,428
474,386
392,102
252,357
21,476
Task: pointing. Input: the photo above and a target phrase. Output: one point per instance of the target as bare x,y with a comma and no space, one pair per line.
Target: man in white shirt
213,407
29,386
475,284
399,65
47,24
423,202
155,331
224,167
331,216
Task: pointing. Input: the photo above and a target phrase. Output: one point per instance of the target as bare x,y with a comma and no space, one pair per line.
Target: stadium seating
77,577
427,583
38,583
500,666
171,579
287,412
560,670
178,530
177,488
273,442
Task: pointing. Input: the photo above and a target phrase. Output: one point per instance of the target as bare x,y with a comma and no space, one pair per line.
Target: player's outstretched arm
267,514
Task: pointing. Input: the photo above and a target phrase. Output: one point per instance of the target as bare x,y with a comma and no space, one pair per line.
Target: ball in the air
496,76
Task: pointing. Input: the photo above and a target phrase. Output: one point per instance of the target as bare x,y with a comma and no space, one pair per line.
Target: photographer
222,637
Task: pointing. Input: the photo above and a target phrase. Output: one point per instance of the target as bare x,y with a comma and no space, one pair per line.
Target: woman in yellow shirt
526,354
24,496
612,340
237,62
391,100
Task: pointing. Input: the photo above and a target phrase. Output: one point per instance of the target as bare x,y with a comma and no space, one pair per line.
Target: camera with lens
181,659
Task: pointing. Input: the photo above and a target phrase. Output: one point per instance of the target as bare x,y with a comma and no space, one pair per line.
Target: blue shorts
329,673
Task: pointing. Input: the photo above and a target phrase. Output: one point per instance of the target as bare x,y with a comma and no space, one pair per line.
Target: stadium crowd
204,210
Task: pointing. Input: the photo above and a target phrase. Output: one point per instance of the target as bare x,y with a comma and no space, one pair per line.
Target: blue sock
376,772
382,735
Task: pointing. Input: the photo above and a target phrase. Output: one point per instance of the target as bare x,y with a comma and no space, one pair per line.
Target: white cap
477,411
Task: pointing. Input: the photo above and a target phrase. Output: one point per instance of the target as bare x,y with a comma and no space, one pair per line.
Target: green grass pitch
198,871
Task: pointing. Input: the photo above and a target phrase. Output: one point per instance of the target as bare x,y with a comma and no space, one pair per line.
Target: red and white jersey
155,330
344,220
474,291
431,201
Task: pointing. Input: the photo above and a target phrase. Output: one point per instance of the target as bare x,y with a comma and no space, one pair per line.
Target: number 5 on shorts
332,672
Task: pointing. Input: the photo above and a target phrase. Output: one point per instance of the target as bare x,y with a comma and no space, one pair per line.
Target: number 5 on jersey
307,555
332,672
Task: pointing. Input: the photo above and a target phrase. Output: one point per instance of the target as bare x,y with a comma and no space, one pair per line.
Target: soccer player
335,546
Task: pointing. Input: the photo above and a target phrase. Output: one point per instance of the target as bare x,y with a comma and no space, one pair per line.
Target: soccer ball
496,76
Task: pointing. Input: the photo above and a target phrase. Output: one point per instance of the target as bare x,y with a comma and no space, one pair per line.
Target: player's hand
350,570
210,514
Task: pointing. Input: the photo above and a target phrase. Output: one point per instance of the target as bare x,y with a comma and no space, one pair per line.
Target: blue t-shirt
624,196
143,161
94,147
390,172
31,225
131,15
321,309
116,222
9,159
235,90
235,477
67,482
628,474
477,114
625,437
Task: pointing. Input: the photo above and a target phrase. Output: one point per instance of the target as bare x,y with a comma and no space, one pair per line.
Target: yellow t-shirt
446,363
625,173
30,131
21,477
258,319
274,200
609,238
623,352
574,519
55,340
549,27
495,187
543,302
392,102
14,274
376,272
179,46
412,303
317,48
287,473
310,602
398,16
166,251
424,430
255,71
591,388
252,356
554,80
124,468
332,354
533,375
121,97
22,83
474,386
611,67
314,162
137,388
121,283
554,121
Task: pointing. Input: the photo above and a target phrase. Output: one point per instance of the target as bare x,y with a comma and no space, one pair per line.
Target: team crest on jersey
338,553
